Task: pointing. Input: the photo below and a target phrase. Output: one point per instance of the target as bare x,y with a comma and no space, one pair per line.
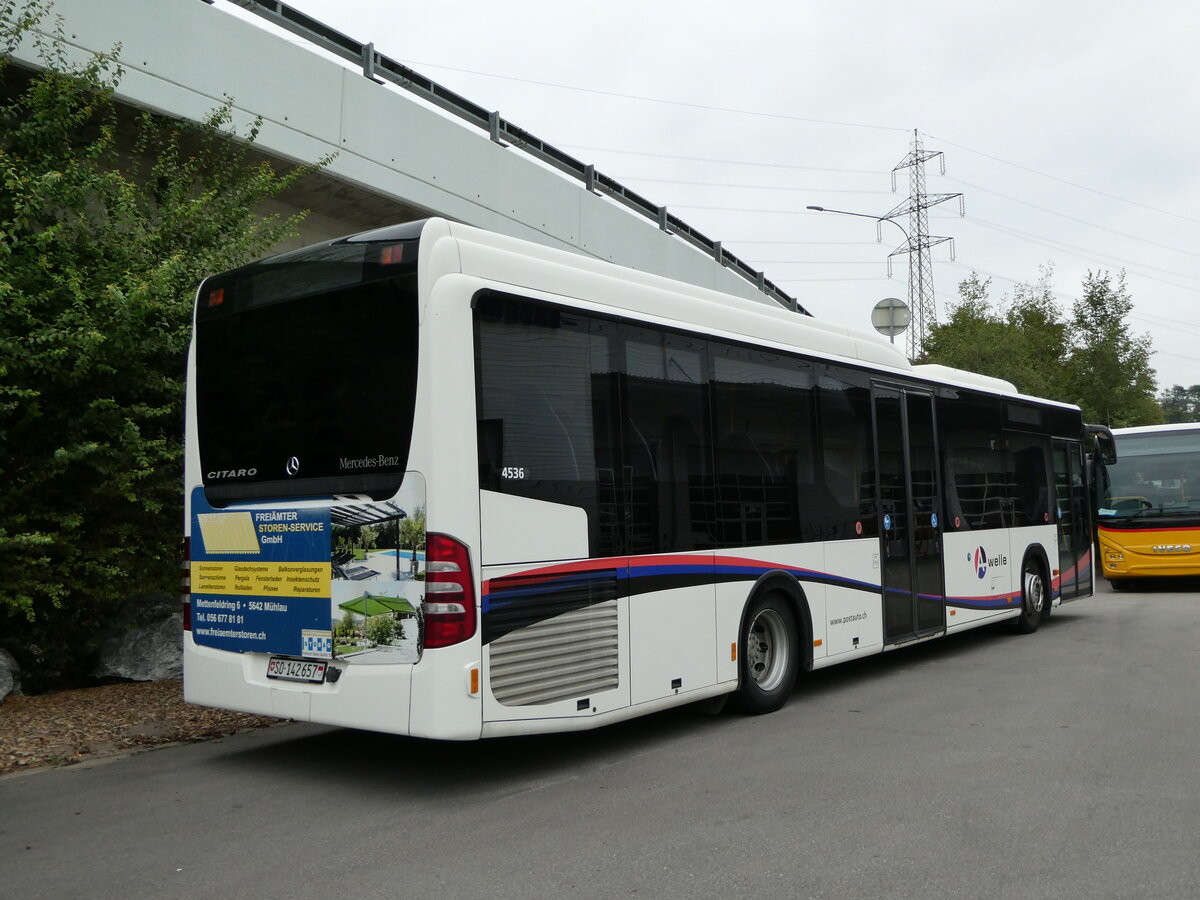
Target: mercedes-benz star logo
293,465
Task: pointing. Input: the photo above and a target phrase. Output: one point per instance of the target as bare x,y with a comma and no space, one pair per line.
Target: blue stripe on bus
506,592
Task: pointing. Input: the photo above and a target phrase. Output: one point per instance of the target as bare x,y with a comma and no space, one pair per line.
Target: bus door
909,499
1074,532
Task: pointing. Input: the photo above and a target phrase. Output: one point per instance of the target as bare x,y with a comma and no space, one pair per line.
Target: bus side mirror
1105,445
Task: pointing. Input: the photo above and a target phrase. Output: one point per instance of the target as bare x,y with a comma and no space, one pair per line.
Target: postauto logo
981,562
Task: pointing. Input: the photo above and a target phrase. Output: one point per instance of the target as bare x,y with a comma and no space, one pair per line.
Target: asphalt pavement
986,765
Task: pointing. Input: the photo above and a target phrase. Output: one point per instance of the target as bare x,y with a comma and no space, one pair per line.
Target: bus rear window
306,396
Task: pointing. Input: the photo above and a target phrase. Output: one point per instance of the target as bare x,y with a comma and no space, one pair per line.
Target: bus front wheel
769,653
1034,597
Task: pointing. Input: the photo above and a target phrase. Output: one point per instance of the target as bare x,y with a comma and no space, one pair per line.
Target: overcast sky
1069,127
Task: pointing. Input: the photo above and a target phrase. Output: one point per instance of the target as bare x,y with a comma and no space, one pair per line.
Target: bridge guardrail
381,68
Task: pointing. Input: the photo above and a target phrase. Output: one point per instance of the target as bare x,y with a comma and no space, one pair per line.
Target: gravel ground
69,726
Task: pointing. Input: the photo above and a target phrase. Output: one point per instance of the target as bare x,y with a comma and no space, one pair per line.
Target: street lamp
877,220
888,324
920,271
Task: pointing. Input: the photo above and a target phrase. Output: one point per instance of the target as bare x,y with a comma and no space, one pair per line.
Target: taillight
186,583
449,592
391,254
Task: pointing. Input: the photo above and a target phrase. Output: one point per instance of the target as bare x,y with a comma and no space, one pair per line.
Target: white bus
450,484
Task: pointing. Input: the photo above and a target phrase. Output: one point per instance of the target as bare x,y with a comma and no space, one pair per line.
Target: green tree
1092,359
382,629
1042,339
102,243
346,627
1023,341
368,534
973,337
1109,366
1181,404
412,535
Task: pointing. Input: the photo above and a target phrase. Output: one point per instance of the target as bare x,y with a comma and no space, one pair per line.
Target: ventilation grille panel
570,655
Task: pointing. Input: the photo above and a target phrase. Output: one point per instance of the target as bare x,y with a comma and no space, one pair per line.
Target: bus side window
847,468
977,492
534,416
765,452
667,449
1028,465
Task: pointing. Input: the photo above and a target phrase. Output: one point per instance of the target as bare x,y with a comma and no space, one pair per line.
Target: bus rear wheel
1034,597
768,657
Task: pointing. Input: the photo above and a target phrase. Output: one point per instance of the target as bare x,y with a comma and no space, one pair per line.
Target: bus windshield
1157,475
306,373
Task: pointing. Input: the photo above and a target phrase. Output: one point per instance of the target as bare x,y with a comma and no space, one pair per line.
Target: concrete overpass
405,147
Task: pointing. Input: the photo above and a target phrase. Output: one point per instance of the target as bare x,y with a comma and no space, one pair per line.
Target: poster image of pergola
231,532
369,605
374,623
365,541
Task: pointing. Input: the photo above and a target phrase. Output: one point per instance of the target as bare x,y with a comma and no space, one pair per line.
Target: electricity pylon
921,298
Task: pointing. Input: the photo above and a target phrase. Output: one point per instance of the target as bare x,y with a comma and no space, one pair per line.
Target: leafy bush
382,629
101,248
347,627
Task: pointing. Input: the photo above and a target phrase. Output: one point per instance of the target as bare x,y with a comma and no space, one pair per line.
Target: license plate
296,669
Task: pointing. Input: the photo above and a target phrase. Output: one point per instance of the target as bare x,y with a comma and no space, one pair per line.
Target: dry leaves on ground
69,726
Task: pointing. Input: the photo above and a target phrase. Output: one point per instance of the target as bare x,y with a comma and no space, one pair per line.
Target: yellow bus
1148,504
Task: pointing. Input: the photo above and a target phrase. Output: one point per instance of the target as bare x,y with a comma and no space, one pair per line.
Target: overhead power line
1064,297
967,184
1163,322
1155,352
788,117
1086,254
1090,256
812,121
816,262
745,209
1069,299
724,162
998,277
752,187
1061,215
824,280
661,100
809,243
1074,184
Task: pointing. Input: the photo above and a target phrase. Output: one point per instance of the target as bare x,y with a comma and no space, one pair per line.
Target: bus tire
1034,597
768,655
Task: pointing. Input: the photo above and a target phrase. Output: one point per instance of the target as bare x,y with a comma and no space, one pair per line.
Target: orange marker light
474,681
733,651
818,642
217,297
